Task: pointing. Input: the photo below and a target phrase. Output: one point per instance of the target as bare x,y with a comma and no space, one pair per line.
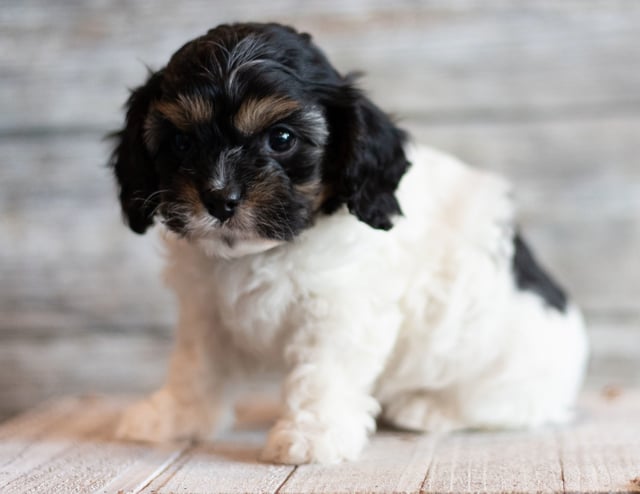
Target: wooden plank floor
68,446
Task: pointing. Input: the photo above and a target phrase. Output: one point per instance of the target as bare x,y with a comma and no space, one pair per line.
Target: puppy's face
248,134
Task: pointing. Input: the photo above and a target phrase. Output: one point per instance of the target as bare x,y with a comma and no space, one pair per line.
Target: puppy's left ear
365,159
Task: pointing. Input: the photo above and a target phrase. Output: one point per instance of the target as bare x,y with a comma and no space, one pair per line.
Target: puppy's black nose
222,203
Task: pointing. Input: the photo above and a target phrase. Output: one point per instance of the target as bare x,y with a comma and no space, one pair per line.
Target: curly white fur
422,325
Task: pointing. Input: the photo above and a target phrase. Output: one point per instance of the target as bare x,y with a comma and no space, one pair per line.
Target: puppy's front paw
159,418
293,444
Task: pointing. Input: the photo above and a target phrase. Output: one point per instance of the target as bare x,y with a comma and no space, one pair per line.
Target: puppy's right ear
131,161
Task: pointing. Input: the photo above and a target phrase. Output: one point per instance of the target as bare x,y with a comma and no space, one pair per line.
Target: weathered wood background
546,92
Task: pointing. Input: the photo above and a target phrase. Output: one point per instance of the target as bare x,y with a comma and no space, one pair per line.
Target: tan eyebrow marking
186,111
255,114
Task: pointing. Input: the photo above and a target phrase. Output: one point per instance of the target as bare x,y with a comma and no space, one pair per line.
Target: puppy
305,236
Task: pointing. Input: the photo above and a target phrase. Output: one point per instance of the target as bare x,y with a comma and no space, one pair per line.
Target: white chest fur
437,287
423,322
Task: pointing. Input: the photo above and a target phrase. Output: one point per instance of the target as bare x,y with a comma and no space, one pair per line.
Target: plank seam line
560,460
282,484
160,470
436,443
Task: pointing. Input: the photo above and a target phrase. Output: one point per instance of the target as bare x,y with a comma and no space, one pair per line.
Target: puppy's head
249,133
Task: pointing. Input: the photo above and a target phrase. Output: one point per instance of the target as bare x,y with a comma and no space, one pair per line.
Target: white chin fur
230,247
216,240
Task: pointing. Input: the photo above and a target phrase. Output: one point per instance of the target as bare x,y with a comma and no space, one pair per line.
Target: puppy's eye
181,142
280,140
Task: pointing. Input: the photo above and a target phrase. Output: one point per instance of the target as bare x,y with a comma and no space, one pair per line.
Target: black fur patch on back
530,276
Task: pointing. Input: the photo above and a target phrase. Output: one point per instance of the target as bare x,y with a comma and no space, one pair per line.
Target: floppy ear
131,161
365,159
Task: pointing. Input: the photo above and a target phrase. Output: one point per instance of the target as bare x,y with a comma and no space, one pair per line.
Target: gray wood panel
437,60
544,92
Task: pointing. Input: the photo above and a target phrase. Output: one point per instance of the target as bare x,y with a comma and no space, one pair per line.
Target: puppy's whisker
150,197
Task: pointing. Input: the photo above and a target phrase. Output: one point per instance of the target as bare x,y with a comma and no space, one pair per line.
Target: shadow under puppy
300,239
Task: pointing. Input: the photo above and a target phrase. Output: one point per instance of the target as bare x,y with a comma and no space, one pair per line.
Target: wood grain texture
467,59
496,462
596,454
397,463
74,451
544,92
146,467
67,446
45,366
229,468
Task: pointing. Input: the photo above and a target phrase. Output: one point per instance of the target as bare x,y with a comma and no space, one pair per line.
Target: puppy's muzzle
222,203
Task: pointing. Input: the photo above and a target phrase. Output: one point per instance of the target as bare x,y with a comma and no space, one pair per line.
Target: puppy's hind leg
422,411
190,404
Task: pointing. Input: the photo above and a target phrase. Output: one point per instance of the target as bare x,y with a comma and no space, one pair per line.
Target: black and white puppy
300,239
